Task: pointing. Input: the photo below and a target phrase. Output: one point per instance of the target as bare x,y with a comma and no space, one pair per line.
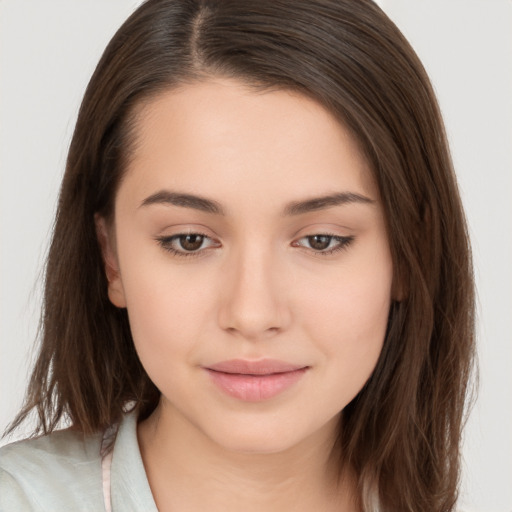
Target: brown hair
402,432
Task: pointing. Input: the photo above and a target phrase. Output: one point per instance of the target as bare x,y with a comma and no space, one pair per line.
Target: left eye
324,243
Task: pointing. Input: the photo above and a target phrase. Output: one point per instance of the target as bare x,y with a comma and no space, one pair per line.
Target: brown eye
319,242
324,244
191,242
186,244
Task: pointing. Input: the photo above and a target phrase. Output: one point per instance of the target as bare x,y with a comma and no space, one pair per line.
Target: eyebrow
185,201
195,202
321,203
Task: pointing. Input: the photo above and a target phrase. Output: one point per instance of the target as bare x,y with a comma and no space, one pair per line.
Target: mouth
255,381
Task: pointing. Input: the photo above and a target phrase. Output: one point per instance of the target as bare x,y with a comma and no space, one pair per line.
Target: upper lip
260,367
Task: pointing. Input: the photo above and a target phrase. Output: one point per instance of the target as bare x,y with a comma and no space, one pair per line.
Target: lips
255,381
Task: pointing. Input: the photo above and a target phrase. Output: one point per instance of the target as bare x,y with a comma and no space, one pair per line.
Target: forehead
221,132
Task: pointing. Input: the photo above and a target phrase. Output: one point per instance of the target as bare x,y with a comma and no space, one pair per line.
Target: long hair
402,432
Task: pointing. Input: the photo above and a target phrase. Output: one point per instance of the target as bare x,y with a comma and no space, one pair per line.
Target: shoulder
60,471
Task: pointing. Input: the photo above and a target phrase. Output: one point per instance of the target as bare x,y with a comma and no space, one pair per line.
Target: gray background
48,50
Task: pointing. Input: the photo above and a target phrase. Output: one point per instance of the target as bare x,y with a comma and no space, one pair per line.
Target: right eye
186,244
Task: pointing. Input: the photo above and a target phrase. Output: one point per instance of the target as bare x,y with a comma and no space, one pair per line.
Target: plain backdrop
48,50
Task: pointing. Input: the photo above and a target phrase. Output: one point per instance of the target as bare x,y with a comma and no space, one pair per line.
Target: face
249,248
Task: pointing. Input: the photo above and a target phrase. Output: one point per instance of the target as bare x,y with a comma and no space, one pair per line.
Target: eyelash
166,243
343,243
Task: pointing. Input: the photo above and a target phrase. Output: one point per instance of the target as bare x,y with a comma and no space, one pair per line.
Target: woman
260,253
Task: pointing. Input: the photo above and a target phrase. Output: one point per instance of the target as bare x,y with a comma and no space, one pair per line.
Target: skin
255,289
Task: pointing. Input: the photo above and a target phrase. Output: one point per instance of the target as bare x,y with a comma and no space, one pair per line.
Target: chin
254,444
259,437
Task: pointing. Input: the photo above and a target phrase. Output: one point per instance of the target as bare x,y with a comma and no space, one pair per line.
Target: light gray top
63,472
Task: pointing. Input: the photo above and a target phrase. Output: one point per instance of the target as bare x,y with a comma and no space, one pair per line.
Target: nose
253,296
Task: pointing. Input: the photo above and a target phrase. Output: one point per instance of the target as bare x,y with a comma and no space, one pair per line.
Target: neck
188,471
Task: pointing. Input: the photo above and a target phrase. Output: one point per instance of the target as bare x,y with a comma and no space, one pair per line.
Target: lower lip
255,388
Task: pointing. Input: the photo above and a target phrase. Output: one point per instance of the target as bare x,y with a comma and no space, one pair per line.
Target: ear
108,250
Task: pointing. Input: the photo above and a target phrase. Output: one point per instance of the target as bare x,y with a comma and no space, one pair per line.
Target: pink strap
106,463
107,451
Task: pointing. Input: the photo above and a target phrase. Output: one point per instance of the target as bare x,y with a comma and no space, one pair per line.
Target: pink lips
254,381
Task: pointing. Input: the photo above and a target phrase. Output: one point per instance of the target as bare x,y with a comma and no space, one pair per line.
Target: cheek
353,334
166,309
348,321
167,320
